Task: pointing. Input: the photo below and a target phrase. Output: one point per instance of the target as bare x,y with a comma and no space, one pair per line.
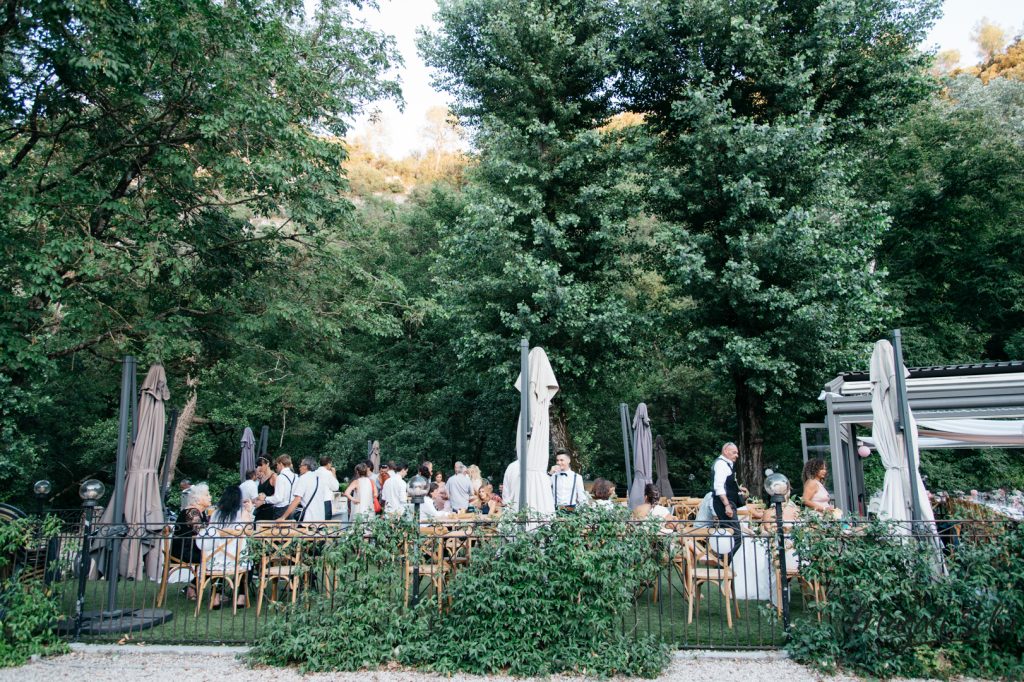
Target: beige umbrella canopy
143,512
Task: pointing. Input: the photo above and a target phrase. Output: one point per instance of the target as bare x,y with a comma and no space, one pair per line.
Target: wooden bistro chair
171,563
813,587
280,563
703,565
432,564
223,564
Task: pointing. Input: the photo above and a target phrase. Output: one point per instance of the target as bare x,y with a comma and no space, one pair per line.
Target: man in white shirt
728,494
429,509
566,485
460,489
249,487
282,496
328,486
306,492
394,493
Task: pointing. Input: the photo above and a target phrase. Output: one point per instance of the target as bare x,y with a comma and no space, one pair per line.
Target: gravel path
177,667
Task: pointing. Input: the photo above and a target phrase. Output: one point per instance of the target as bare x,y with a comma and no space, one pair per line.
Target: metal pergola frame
982,391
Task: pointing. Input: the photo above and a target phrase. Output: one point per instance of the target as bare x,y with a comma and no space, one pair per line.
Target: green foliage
890,613
529,603
28,611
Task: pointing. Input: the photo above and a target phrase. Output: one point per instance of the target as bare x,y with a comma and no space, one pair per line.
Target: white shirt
428,511
393,494
328,485
282,496
364,497
460,488
308,488
250,489
562,483
722,469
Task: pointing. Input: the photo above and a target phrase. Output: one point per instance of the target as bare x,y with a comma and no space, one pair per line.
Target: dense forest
712,207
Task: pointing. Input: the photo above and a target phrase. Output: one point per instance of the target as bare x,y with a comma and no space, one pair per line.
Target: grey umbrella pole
904,427
369,449
626,438
114,558
135,405
524,416
165,480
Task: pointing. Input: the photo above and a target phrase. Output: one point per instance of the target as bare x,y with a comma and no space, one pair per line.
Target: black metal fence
222,587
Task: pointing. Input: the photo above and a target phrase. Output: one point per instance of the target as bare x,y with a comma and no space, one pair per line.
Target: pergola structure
975,397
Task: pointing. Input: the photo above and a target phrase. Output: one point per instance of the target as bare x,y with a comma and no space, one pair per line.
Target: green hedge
891,611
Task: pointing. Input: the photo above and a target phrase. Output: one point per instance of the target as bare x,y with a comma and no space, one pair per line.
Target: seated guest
484,501
815,495
191,521
223,539
428,509
602,492
439,496
650,506
250,487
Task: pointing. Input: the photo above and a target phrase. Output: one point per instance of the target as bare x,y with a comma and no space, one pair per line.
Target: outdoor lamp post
91,491
777,486
417,491
41,490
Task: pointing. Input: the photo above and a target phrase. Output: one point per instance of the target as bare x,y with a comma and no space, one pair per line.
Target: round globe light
777,484
91,490
418,486
42,488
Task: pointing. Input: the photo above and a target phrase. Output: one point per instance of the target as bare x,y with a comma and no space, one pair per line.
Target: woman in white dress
360,493
223,542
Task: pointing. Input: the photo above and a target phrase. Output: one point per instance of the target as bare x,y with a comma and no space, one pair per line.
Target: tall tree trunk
750,413
561,440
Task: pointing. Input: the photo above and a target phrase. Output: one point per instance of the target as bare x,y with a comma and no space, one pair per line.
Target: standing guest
460,489
394,493
185,485
439,478
249,487
430,469
282,496
189,524
815,495
267,481
424,471
566,485
223,537
728,496
360,492
475,477
305,492
328,485
384,475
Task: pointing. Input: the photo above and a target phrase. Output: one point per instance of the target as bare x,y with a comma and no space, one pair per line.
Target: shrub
891,612
552,599
28,612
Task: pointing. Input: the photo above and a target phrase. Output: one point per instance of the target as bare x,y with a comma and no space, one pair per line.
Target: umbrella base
112,622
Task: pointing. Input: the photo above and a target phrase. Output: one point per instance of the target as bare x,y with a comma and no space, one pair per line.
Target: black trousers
731,524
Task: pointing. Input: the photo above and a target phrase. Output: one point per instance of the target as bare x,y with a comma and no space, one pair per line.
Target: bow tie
563,474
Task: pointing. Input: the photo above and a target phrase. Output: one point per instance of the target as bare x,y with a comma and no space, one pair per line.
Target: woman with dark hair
223,542
650,507
360,493
815,495
268,479
601,492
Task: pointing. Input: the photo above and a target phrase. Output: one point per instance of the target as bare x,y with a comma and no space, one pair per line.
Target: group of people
387,491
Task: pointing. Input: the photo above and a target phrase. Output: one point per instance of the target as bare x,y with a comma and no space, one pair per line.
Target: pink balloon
864,451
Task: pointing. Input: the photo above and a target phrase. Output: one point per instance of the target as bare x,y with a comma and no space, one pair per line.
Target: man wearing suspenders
566,485
306,497
727,494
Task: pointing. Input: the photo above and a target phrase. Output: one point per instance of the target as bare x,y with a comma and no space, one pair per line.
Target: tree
990,38
760,110
541,249
166,167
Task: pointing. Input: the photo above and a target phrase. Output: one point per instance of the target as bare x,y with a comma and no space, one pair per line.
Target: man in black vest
728,496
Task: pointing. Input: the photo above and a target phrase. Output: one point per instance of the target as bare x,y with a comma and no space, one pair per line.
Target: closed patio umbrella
247,462
375,456
897,498
661,461
143,511
642,456
542,387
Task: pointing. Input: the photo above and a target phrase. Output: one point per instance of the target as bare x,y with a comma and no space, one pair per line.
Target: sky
401,18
